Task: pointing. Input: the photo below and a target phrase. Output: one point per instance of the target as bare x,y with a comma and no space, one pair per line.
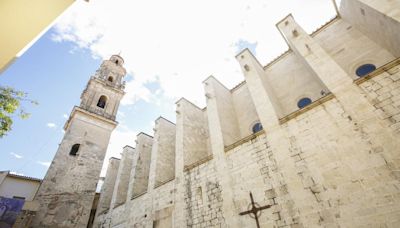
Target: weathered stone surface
334,163
67,191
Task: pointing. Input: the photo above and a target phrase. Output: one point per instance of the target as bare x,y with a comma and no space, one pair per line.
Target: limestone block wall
350,48
164,159
379,19
65,201
141,168
383,91
255,170
162,205
144,210
332,164
107,189
342,180
245,111
347,175
122,180
118,216
193,127
139,211
203,197
290,80
226,110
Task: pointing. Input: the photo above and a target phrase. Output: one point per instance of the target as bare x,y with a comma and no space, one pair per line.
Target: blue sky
55,76
168,52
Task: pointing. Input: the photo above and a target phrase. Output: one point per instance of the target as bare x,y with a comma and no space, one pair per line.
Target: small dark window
303,102
102,101
19,197
257,127
74,149
110,79
365,70
116,61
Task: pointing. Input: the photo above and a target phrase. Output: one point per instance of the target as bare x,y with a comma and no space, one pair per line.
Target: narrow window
303,102
102,101
110,79
257,127
116,61
74,149
365,70
19,197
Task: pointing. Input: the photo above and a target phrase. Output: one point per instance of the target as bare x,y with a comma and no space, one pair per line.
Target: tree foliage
10,106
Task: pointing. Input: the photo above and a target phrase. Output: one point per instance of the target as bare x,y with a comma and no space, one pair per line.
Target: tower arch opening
74,149
102,101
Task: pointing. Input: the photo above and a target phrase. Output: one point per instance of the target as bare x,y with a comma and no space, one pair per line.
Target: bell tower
67,191
105,89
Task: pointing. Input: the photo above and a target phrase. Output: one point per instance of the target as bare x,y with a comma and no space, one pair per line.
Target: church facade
310,139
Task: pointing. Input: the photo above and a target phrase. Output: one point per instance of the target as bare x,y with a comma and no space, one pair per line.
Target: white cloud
120,137
17,156
44,163
179,43
65,116
16,173
51,125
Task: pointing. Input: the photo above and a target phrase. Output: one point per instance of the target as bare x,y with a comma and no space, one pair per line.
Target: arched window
74,149
365,69
303,102
110,79
102,101
116,61
257,127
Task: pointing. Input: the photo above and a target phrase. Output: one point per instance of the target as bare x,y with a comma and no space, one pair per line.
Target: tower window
303,102
110,79
102,101
74,149
257,127
19,197
365,69
116,61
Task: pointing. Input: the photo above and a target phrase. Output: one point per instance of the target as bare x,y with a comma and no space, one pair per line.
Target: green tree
10,106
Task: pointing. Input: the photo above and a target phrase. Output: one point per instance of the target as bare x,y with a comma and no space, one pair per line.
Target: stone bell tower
67,191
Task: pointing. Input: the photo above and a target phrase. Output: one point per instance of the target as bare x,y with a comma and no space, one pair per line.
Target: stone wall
107,189
350,48
290,80
379,19
122,179
192,123
164,158
203,197
225,109
244,109
383,92
65,201
141,167
333,163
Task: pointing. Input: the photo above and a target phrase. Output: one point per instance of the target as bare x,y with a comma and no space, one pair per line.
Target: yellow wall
21,21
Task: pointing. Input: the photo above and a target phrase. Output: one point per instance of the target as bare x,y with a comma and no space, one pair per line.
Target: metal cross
254,210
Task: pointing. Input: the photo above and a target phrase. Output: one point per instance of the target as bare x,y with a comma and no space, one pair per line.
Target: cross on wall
254,210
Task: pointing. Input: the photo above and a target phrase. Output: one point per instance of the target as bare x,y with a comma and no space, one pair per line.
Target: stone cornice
380,70
79,110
